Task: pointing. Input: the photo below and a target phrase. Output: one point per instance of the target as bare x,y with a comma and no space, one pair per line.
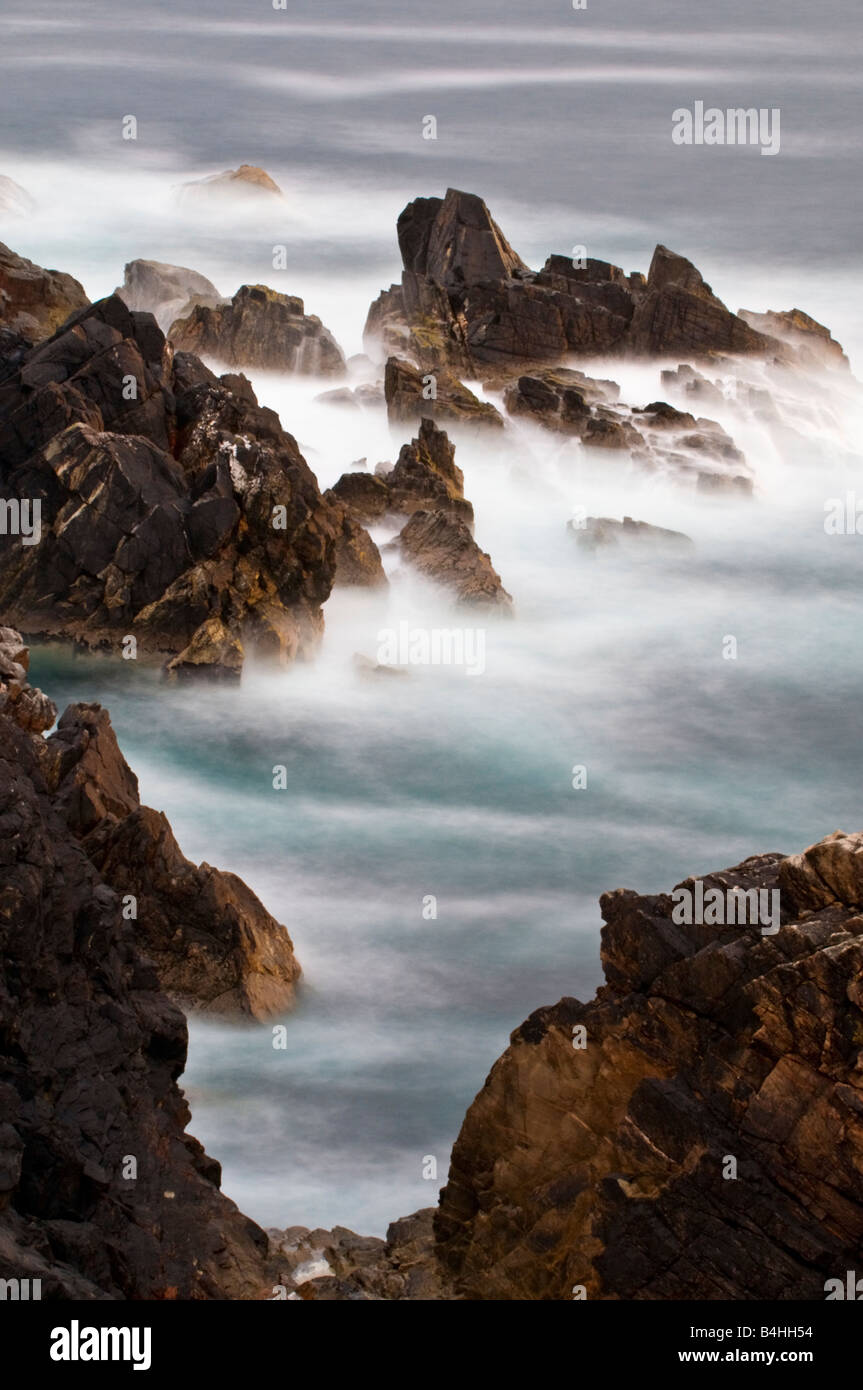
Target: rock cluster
466,299
411,396
173,508
427,486
260,328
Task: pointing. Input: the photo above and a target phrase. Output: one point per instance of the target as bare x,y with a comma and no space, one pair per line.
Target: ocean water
441,783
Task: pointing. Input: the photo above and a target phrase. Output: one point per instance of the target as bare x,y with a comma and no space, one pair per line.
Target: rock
214,945
260,329
692,383
811,341
35,302
19,701
181,513
602,531
365,496
663,416
735,485
168,292
249,182
597,1153
15,201
425,478
102,1193
406,389
455,242
679,313
358,560
467,299
441,547
360,1269
365,667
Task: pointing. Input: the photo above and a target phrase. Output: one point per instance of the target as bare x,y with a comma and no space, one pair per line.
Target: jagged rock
365,495
214,945
180,512
597,532
663,416
812,342
35,302
467,299
405,389
455,242
248,182
19,701
358,560
679,313
441,547
168,292
603,431
260,328
425,478
15,201
596,1156
360,1269
102,1193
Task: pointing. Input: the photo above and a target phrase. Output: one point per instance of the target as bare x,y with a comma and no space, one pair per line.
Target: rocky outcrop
812,342
173,508
35,302
410,396
467,299
442,547
329,1266
425,477
249,182
102,1193
561,399
260,328
696,1130
168,292
215,947
19,701
603,532
15,201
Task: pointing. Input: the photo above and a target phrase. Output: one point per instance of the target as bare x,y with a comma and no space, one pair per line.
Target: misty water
439,782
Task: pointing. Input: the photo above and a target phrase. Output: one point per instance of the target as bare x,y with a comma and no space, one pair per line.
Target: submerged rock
597,532
263,329
247,182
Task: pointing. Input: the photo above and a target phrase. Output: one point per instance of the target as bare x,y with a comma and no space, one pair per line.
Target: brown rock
406,390
35,302
260,328
441,546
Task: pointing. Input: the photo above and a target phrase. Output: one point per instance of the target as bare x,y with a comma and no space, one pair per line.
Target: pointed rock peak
455,241
668,268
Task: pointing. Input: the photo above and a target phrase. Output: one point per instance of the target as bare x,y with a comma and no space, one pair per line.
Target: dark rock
102,1193
407,392
263,329
602,531
179,513
606,1165
441,547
